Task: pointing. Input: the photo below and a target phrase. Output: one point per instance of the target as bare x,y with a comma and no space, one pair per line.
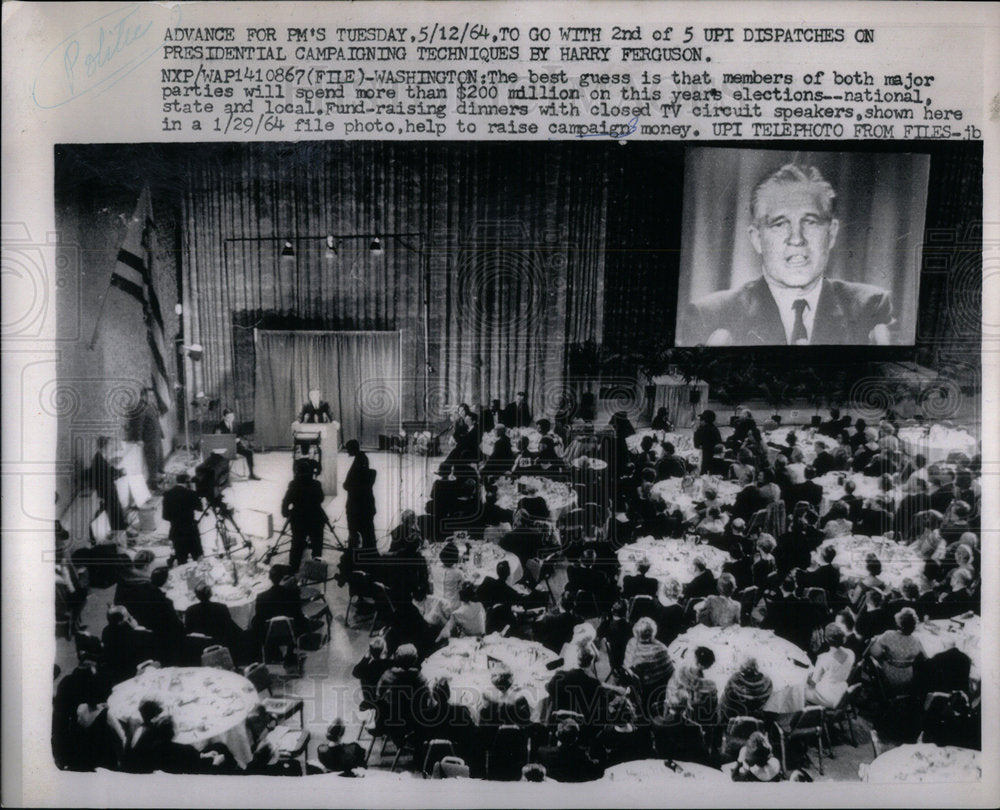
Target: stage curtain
356,372
508,267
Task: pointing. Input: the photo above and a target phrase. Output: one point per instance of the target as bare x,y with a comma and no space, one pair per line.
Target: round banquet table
590,463
961,632
680,495
925,762
937,441
785,664
681,441
207,705
805,440
559,496
514,434
670,558
239,598
465,664
655,771
865,486
899,561
482,562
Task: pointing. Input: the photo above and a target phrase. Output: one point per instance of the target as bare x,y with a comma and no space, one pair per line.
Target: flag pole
100,316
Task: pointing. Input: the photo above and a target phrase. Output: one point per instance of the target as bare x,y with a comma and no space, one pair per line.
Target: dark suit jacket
278,601
517,416
212,619
359,485
320,413
845,313
639,585
577,691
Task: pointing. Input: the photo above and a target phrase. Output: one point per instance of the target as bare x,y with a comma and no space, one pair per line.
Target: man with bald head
793,302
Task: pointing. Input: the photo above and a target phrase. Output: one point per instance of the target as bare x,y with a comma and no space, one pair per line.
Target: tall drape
880,202
356,372
502,265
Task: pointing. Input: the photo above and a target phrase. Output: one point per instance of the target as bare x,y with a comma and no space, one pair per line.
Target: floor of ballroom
327,687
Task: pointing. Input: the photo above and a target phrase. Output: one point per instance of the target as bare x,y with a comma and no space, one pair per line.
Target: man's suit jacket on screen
845,313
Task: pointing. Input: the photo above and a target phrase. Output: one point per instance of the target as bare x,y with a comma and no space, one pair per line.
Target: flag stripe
130,287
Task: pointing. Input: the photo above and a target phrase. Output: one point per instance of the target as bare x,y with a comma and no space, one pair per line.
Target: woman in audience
928,543
669,613
452,579
721,610
756,762
702,692
836,522
871,581
469,618
337,756
827,682
649,659
746,693
764,564
677,736
898,651
370,669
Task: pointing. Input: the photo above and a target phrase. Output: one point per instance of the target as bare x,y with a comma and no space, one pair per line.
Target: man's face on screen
793,233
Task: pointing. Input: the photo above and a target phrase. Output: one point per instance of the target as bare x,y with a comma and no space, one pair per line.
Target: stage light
287,250
376,246
331,247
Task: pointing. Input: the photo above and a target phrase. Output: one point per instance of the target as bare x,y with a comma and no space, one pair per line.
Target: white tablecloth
654,771
514,434
680,441
683,493
670,558
805,440
785,664
899,561
937,441
207,705
942,634
464,664
218,573
865,486
559,496
925,762
482,562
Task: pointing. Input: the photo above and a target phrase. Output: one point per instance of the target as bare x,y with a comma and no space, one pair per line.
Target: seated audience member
837,522
702,692
738,566
615,632
623,738
874,520
765,567
370,669
712,527
452,580
756,762
337,756
746,693
214,620
469,618
852,641
677,736
85,689
134,590
661,421
958,598
161,619
407,533
827,682
827,575
721,610
670,465
281,599
703,583
649,659
405,697
576,689
788,616
640,583
872,581
568,760
150,746
669,613
873,618
555,628
501,706
125,644
228,426
898,652
433,609
718,464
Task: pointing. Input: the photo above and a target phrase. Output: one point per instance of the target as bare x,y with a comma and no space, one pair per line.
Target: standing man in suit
228,426
491,416
360,488
793,231
303,506
706,438
179,507
316,410
518,414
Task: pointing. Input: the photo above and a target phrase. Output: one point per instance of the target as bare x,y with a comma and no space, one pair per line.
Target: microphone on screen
720,337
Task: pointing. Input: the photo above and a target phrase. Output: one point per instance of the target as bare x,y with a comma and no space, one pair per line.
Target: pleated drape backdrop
356,372
502,266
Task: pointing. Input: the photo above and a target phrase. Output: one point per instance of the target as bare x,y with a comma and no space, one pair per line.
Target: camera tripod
284,538
223,521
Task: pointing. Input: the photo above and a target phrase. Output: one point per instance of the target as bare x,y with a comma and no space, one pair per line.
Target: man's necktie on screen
799,333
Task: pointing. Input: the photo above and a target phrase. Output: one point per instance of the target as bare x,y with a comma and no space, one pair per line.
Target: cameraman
303,506
179,507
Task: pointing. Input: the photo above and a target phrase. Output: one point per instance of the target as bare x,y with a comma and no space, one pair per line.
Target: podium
328,434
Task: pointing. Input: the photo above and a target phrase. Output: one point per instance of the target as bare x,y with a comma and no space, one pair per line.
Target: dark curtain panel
357,373
507,266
